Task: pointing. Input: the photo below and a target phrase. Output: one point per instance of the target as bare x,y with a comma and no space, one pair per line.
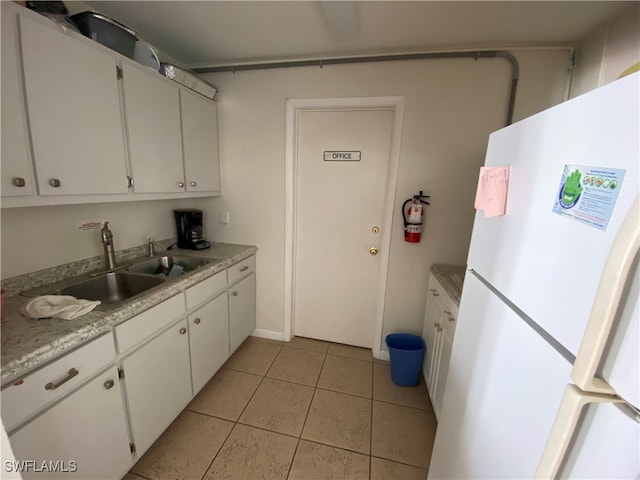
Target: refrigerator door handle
564,427
612,283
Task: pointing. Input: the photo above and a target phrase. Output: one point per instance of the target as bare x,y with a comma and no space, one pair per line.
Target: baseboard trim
382,355
268,334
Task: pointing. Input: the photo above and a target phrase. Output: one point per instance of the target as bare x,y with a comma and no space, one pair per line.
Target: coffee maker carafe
189,227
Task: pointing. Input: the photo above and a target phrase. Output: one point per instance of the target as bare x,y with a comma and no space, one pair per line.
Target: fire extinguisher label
414,228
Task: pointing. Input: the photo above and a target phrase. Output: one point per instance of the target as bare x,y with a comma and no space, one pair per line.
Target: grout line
371,423
218,452
337,448
399,462
139,475
402,405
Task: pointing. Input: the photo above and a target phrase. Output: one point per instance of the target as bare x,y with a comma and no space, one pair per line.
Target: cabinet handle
452,319
109,384
193,184
435,294
183,331
181,184
245,268
235,294
52,386
54,182
197,321
19,182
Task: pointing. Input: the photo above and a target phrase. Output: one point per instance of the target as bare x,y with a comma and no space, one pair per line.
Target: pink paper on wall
491,195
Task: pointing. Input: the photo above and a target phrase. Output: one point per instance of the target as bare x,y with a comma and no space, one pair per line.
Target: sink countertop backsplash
28,281
451,278
29,343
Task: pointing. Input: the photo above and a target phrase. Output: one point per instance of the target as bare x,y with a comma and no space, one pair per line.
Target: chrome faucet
152,248
107,243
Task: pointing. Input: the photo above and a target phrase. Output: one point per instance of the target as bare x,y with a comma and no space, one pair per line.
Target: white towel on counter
65,307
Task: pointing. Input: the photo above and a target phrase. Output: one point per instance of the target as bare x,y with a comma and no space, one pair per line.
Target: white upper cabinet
152,111
17,178
200,143
74,113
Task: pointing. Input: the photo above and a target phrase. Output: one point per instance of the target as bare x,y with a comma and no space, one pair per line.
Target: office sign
341,156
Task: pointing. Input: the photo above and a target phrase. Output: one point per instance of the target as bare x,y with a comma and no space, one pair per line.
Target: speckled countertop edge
28,343
445,275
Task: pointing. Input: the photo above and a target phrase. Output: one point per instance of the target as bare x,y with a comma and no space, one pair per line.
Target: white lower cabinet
209,340
157,381
438,332
242,311
84,436
75,422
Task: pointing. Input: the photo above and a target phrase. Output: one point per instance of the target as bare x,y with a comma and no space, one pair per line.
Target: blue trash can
406,352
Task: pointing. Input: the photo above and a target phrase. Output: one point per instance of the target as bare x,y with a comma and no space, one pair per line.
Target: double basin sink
113,288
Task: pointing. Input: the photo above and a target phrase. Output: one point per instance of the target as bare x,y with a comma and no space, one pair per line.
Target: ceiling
207,33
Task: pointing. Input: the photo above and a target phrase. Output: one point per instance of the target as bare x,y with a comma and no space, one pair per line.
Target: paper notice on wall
588,194
493,186
87,225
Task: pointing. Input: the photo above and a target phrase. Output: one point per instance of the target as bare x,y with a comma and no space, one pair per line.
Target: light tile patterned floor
305,409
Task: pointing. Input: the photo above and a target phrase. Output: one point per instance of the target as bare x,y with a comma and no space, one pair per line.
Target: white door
88,427
342,167
74,113
152,110
200,142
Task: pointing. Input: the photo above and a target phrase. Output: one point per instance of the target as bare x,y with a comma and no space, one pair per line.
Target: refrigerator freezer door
547,264
504,387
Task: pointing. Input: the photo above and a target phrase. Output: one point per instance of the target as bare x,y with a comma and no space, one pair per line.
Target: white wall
607,51
451,107
34,238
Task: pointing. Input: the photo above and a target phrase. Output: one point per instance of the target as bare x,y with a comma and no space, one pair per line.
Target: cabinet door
446,344
16,177
434,371
152,110
88,428
158,384
242,311
200,142
432,316
209,340
74,113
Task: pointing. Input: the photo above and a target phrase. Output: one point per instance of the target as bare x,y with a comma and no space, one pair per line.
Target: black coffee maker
189,227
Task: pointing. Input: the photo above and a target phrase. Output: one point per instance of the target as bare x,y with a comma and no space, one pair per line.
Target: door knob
193,184
373,251
181,184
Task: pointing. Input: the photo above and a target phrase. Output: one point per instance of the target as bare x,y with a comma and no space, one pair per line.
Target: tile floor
302,410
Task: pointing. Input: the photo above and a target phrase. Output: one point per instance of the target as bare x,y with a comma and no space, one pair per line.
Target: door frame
293,107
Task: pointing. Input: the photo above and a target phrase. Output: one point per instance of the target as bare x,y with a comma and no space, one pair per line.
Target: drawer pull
109,384
235,294
183,331
52,386
435,294
197,321
245,268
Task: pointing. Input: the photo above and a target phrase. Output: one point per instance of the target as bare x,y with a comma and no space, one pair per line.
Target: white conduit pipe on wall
476,54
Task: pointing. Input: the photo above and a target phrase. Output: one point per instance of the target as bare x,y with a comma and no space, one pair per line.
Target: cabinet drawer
242,269
147,323
206,289
28,395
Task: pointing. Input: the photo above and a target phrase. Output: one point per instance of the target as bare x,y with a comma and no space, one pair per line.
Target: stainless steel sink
164,264
110,288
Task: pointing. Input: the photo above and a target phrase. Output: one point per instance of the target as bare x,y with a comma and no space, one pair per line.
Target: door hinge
132,447
129,182
119,73
120,373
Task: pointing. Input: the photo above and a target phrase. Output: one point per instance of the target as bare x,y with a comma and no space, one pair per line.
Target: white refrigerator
544,373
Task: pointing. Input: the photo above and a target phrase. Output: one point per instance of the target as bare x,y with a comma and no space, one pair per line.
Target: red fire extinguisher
413,217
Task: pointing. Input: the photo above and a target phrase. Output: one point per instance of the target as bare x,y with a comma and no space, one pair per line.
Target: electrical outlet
224,218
